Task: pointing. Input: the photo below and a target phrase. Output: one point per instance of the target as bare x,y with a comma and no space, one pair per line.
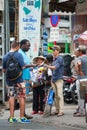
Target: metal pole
6,45
7,27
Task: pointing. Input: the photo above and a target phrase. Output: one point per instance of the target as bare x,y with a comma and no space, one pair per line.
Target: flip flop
54,113
78,115
60,114
75,113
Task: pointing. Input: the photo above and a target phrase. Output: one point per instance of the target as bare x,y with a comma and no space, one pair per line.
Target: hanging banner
29,23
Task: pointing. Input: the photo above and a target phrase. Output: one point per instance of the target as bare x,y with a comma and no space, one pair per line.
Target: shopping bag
50,99
49,103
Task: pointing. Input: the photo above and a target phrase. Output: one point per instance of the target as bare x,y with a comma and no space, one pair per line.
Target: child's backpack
14,70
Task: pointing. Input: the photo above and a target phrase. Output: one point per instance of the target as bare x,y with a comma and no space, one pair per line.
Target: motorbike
69,90
74,91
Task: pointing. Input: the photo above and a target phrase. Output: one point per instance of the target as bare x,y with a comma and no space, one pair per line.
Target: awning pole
66,47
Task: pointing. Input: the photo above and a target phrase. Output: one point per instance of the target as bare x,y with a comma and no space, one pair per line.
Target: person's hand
45,65
81,73
34,65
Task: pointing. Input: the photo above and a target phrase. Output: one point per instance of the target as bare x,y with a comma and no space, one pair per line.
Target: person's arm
30,65
4,64
78,68
59,62
50,67
22,63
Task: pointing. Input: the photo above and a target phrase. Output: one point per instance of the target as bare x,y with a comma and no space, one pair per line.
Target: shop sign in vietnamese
54,34
29,23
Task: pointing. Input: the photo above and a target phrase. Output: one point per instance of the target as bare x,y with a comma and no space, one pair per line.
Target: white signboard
29,23
54,34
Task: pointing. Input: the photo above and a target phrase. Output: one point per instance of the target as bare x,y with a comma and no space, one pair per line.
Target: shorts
16,91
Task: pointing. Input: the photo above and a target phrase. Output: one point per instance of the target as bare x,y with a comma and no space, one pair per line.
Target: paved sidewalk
66,120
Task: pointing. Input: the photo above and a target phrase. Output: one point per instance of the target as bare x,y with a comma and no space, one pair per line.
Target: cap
81,47
56,47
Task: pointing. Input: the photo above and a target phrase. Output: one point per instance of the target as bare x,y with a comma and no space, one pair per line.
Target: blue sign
45,49
54,19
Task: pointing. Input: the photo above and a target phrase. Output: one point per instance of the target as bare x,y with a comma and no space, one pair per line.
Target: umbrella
83,37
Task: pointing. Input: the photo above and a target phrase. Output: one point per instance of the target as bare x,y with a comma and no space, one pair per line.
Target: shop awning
83,37
67,6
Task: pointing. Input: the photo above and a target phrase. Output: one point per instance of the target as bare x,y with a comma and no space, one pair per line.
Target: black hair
49,58
83,51
23,41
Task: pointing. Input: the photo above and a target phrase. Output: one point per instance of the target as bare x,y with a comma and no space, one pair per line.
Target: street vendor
38,85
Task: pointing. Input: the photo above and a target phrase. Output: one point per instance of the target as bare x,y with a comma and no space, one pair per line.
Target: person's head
77,52
39,60
82,50
49,58
15,45
25,45
56,50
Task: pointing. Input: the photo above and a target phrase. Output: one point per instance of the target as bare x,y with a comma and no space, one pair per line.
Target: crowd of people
34,75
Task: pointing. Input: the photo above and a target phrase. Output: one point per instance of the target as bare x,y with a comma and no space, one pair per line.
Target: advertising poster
29,23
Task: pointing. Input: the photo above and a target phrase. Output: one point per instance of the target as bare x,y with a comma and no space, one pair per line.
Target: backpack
67,62
14,70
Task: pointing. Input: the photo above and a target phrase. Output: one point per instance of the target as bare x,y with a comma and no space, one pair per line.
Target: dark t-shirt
20,60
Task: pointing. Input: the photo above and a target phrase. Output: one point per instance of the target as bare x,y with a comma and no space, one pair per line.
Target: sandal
54,113
60,114
78,115
75,112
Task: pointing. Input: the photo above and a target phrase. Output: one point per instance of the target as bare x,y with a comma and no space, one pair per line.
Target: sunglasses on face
54,49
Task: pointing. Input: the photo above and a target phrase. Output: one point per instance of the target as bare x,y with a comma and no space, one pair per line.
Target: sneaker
12,120
23,120
28,116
